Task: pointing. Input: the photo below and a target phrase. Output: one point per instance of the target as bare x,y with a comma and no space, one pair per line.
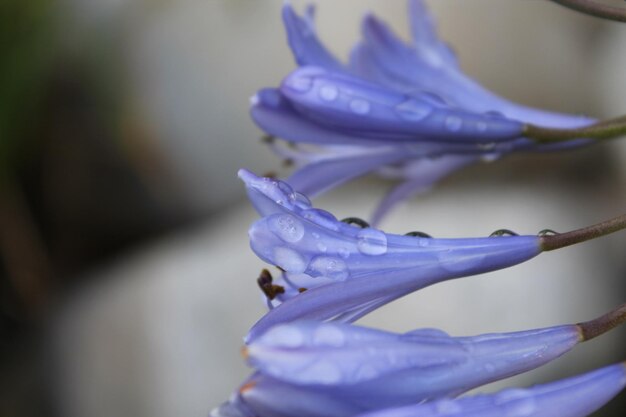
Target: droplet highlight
413,110
329,267
360,106
287,227
372,242
328,92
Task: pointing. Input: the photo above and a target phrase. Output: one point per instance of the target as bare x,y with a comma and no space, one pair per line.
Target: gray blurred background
127,283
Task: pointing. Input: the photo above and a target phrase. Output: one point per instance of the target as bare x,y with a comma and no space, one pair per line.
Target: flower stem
594,328
552,242
594,8
607,129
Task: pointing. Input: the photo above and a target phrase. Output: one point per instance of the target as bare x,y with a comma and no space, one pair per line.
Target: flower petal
369,110
303,41
578,396
366,264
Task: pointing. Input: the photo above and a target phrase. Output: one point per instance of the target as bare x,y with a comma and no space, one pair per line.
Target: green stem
607,129
596,9
552,242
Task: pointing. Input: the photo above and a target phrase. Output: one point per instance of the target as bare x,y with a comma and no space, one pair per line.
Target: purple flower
404,108
347,270
330,369
578,396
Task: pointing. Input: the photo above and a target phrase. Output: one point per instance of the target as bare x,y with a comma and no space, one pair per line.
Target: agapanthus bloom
578,396
404,110
330,369
342,270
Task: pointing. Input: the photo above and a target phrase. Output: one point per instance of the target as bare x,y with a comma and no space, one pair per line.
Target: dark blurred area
81,181
89,176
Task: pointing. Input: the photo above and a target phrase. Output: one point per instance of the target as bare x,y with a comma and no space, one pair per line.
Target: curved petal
424,174
578,396
366,264
365,109
303,41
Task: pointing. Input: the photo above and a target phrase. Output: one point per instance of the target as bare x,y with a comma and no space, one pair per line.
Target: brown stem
562,240
594,328
594,8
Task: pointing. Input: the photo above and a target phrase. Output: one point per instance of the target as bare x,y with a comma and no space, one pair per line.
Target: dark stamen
301,290
269,289
269,139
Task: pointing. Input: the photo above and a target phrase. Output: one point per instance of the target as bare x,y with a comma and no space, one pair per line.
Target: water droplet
432,98
516,402
269,97
302,201
453,123
328,335
481,126
321,218
372,242
344,253
490,157
287,227
289,194
495,114
366,372
299,84
547,232
322,372
289,260
503,232
322,247
329,92
447,407
413,110
285,335
315,235
360,106
486,146
418,234
355,221
329,267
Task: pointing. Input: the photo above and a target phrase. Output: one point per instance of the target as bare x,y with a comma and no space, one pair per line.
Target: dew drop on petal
323,372
447,407
360,106
344,253
433,99
302,201
490,157
322,218
286,189
329,267
321,246
328,93
327,335
289,260
413,110
286,335
287,227
366,372
486,146
495,114
453,123
372,242
516,402
299,84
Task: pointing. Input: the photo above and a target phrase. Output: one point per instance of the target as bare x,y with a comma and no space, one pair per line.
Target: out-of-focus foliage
26,36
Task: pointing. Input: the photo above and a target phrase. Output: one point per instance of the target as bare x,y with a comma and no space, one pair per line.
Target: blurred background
126,282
